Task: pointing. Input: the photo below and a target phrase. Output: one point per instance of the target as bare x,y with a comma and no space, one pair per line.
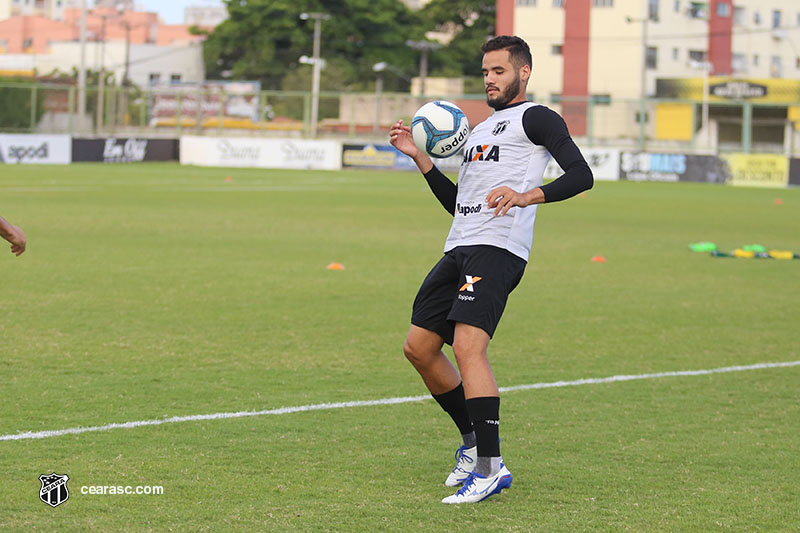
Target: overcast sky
172,10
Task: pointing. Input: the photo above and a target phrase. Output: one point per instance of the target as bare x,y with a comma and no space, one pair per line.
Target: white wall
541,27
144,60
5,9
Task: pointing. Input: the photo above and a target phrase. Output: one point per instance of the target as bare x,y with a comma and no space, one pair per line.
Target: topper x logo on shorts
471,280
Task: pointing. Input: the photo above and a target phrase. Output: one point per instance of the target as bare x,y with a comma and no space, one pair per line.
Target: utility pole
378,68
101,81
125,76
82,69
317,63
424,47
643,73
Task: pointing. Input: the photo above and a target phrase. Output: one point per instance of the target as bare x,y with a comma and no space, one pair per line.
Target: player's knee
466,351
409,351
460,348
414,353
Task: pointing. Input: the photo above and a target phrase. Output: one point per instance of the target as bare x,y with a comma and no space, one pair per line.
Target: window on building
676,54
652,10
558,3
556,49
738,16
698,10
755,60
677,6
555,98
756,18
739,63
776,19
603,3
155,77
27,43
601,99
776,67
697,55
526,2
175,78
651,60
723,10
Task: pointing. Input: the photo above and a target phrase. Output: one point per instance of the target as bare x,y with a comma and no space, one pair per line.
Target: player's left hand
17,240
504,198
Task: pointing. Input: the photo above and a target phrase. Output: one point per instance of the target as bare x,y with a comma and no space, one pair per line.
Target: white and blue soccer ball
439,128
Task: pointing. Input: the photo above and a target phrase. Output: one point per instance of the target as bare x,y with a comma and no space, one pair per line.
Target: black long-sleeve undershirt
443,189
544,127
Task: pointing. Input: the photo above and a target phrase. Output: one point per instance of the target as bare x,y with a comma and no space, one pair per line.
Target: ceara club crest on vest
500,127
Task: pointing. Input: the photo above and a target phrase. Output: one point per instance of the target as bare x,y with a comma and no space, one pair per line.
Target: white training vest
497,152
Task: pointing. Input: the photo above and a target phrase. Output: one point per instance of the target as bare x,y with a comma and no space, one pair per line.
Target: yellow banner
758,170
727,89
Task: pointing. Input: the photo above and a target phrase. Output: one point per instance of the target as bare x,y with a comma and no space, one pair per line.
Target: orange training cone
335,266
598,259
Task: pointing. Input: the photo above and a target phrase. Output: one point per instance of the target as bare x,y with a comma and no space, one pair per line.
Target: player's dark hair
518,50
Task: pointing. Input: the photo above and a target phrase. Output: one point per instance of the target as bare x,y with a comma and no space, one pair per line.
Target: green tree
263,39
17,96
473,22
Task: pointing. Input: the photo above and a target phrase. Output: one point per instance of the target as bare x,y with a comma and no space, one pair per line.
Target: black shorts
470,284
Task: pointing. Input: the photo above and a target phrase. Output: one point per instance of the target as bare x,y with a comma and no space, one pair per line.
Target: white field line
383,401
53,188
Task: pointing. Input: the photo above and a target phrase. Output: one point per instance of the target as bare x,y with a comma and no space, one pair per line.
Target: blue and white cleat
477,488
465,464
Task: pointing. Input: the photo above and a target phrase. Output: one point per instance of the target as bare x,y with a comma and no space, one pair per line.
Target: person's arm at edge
14,235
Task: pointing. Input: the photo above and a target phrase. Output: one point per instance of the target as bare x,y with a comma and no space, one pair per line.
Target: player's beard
505,96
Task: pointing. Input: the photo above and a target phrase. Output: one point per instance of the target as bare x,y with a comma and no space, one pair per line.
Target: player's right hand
400,137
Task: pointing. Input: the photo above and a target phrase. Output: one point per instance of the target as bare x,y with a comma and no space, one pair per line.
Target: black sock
455,405
485,415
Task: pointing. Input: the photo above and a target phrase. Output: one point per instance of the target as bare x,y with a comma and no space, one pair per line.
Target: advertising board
35,149
260,152
124,150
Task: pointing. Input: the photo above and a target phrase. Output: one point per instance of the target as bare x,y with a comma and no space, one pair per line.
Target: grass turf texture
155,290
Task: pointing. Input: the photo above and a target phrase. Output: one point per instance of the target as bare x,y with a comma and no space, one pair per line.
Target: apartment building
726,53
53,9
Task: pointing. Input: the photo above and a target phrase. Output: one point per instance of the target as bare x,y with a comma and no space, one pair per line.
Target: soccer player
494,206
14,235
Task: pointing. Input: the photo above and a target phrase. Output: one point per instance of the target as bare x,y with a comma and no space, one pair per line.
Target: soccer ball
439,128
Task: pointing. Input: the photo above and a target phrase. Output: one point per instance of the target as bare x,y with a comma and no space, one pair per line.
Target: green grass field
154,290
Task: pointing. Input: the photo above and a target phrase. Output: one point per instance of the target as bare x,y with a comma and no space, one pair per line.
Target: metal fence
653,124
